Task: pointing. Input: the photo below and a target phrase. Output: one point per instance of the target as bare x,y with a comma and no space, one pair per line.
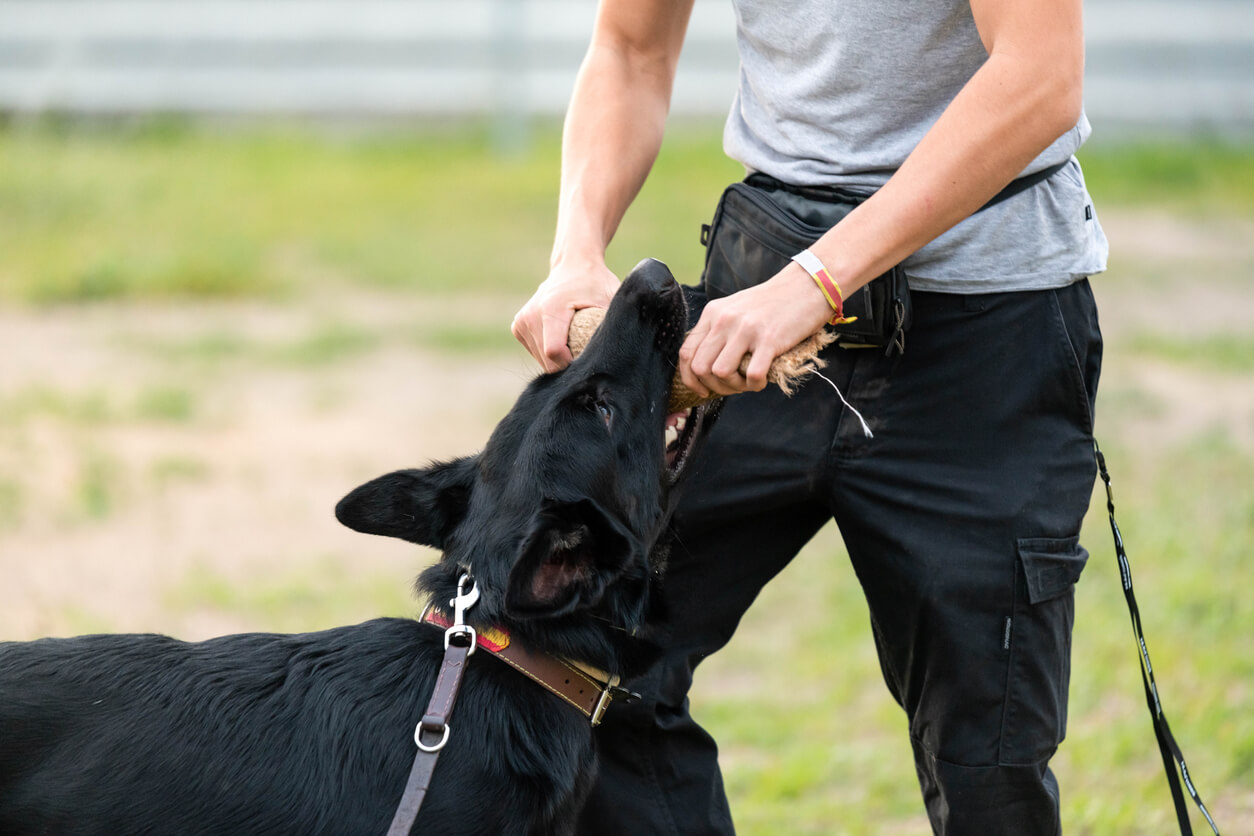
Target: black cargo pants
961,517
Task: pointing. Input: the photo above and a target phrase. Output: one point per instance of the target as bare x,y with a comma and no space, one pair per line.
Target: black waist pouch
760,224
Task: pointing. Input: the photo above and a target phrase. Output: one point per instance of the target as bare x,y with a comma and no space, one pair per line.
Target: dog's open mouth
682,430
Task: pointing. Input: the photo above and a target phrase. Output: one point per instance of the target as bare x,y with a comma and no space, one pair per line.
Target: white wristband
809,262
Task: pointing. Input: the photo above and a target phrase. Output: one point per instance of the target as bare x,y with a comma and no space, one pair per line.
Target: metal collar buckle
612,691
603,703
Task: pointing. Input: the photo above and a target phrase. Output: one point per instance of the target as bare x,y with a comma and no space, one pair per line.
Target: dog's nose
653,277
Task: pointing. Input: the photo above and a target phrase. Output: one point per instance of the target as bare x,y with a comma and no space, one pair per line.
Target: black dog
561,520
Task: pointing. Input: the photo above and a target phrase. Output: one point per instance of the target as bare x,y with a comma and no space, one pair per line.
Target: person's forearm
612,135
1010,111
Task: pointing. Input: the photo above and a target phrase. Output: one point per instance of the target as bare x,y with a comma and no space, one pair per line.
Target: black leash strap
435,724
432,731
1167,746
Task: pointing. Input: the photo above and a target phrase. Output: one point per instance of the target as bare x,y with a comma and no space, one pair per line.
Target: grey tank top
839,92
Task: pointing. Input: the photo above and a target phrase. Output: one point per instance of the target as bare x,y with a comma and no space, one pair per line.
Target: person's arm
612,135
1026,95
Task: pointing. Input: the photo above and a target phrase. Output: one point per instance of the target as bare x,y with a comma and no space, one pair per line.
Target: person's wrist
580,258
801,296
825,285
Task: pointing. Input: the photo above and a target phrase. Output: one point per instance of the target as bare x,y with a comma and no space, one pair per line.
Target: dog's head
562,518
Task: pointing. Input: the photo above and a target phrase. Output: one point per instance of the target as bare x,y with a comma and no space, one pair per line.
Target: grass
171,470
320,345
1206,179
462,338
137,213
90,407
97,407
160,212
1230,353
327,344
10,503
171,404
99,487
324,593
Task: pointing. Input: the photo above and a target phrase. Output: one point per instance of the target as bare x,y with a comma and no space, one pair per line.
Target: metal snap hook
462,602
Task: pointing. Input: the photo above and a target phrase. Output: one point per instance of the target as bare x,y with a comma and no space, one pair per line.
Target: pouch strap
844,194
1022,184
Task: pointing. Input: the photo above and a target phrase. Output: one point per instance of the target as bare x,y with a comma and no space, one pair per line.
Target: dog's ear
572,553
421,506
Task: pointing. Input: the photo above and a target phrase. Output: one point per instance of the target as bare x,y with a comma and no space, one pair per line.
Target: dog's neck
589,639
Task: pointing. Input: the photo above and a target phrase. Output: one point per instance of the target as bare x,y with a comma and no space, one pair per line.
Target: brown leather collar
587,689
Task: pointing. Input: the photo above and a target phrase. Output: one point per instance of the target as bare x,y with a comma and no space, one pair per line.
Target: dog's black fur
562,519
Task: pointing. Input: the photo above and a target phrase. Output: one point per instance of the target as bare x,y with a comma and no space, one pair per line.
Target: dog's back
269,734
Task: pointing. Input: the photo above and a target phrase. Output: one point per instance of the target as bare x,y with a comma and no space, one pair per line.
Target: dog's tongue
787,371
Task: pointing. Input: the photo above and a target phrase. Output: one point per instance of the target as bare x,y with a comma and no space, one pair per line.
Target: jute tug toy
788,371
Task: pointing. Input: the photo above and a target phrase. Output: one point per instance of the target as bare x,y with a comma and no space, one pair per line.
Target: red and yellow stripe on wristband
831,291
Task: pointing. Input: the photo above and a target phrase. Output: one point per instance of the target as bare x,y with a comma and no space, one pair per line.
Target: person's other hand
763,321
542,325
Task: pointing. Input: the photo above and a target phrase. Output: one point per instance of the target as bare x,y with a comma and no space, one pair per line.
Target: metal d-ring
424,747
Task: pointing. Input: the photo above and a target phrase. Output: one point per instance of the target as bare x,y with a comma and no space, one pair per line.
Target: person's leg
754,503
962,519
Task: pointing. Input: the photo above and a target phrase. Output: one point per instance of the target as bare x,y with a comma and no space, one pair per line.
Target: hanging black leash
459,643
1167,746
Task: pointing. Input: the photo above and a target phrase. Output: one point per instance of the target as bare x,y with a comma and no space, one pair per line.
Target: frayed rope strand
866,430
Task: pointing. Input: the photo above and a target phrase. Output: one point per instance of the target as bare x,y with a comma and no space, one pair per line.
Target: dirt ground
113,505
147,448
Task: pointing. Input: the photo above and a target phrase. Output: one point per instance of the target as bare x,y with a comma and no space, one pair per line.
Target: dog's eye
603,409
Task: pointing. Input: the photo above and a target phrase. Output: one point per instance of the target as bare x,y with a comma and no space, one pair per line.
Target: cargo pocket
1038,639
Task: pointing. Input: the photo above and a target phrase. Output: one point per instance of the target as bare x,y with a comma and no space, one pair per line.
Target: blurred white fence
1157,65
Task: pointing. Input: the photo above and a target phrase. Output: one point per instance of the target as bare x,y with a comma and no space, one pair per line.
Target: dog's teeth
672,434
